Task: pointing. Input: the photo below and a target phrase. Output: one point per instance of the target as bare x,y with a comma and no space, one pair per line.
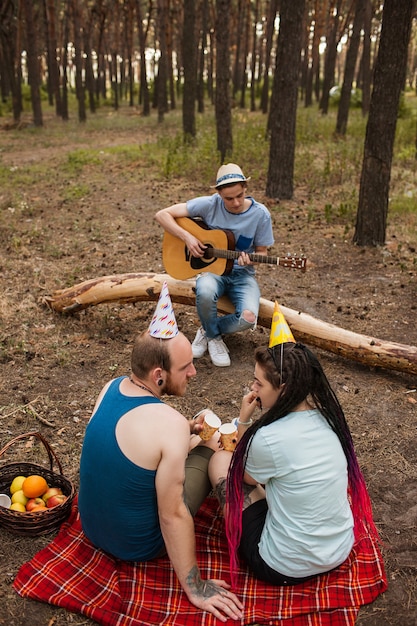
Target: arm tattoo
247,490
221,493
201,588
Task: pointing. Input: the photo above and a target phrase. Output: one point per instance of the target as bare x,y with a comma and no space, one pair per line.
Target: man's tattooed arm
202,588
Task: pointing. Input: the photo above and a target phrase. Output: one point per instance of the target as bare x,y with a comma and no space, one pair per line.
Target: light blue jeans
243,291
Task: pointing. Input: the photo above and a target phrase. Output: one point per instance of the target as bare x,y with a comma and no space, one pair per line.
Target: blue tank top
117,498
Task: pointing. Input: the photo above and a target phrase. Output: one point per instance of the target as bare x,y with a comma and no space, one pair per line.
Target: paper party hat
280,331
164,324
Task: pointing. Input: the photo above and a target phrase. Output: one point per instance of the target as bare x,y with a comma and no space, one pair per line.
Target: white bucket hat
229,174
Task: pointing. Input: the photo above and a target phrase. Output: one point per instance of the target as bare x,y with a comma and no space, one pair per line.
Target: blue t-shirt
251,229
117,498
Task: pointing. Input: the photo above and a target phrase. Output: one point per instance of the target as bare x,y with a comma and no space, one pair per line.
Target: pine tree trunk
330,60
223,107
33,64
144,96
189,53
201,61
351,57
389,78
53,63
272,12
283,113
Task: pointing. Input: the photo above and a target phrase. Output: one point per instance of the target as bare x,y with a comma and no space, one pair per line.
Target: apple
55,500
17,483
34,502
19,497
39,507
17,506
52,491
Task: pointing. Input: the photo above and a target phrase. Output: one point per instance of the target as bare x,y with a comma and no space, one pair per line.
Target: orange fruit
34,486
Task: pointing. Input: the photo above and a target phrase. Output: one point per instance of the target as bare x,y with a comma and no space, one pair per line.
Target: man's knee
248,316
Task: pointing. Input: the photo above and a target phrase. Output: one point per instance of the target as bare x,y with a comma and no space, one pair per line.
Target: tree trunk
169,59
390,71
33,64
142,287
351,57
114,45
65,42
239,65
162,96
201,62
49,54
128,28
78,56
9,41
244,54
89,72
254,57
189,53
144,96
283,113
243,72
366,58
270,28
314,68
222,99
53,63
330,60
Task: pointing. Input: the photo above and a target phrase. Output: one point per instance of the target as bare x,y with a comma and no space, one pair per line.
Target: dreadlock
295,367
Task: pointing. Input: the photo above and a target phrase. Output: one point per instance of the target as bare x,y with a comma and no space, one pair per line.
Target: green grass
327,168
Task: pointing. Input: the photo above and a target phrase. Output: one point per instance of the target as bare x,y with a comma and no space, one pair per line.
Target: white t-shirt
309,524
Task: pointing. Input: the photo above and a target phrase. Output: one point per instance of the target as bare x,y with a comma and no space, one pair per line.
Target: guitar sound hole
208,252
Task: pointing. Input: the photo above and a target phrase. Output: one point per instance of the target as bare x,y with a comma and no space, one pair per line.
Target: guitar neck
256,258
285,261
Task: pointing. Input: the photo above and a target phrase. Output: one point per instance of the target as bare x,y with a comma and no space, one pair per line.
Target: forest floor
69,218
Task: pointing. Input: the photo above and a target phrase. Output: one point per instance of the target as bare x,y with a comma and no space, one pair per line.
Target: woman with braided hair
293,495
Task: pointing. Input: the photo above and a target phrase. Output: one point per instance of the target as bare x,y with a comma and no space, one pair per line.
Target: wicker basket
39,522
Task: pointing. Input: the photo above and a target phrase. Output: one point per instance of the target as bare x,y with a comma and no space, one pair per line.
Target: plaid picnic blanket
69,572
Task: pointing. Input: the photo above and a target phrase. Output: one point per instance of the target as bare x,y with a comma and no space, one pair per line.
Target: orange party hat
164,324
280,331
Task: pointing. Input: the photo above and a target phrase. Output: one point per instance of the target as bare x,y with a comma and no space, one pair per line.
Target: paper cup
228,436
5,500
210,425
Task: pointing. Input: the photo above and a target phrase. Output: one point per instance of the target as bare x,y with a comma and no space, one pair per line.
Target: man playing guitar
250,223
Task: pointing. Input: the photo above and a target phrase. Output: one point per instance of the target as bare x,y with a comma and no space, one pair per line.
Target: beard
173,389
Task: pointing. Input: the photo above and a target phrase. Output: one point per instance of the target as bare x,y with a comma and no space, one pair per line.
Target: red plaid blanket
71,573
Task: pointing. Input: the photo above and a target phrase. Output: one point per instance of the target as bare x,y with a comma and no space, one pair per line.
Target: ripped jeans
243,291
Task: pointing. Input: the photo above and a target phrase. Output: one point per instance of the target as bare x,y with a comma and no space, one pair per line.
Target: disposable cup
5,500
210,425
228,436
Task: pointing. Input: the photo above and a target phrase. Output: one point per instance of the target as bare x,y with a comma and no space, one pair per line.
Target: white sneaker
199,345
219,352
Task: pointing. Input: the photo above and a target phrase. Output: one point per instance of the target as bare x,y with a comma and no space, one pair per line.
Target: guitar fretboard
286,261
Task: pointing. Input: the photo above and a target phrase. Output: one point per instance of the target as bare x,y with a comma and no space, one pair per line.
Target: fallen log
140,287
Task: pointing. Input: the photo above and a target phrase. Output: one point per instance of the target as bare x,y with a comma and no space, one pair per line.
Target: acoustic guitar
219,255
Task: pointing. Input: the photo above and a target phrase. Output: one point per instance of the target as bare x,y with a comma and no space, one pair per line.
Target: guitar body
177,260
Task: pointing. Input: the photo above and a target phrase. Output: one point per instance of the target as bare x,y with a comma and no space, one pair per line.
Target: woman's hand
250,402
